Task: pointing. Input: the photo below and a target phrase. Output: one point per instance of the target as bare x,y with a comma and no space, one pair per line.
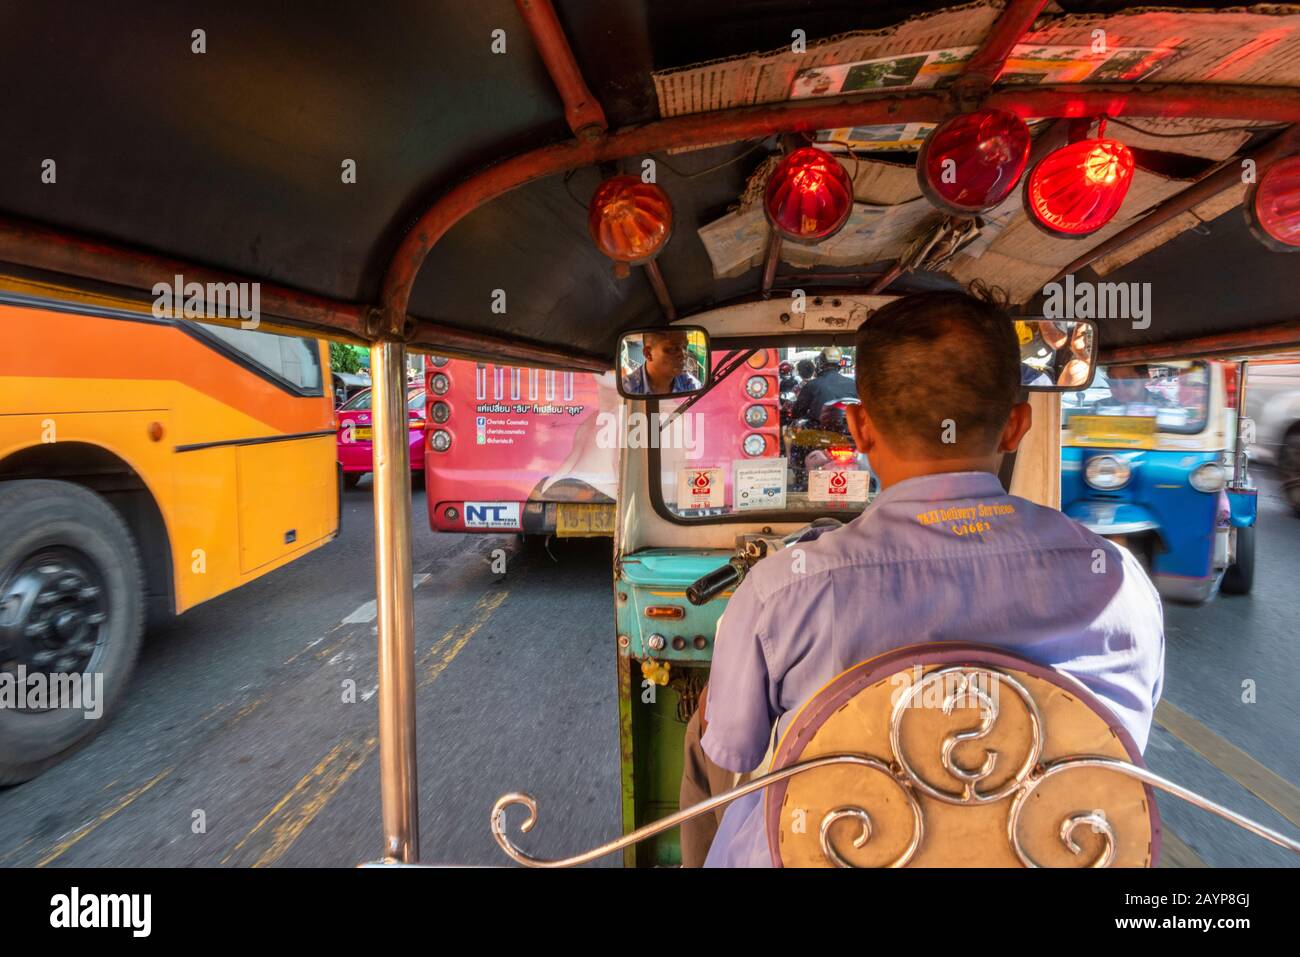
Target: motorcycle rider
789,381
828,385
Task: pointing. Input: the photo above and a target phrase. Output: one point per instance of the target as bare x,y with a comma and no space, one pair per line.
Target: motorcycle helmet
829,358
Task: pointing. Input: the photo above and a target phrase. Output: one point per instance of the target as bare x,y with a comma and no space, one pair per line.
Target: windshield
1176,394
361,401
770,440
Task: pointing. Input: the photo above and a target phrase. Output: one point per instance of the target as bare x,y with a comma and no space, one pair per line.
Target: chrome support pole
394,602
1239,458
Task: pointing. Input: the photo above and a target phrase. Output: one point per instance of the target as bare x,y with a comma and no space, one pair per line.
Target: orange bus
146,465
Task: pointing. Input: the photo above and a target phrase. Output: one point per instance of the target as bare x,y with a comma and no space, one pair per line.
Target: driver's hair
662,335
934,358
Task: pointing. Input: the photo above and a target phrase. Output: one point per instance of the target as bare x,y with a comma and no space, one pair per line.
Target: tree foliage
344,358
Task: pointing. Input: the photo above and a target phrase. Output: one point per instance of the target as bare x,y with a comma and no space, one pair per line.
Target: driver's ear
859,423
1018,423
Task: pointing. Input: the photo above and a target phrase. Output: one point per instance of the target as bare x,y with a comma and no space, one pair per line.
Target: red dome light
630,221
972,162
1078,189
809,196
1273,206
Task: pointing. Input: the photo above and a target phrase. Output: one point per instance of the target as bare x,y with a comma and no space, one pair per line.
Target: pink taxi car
355,432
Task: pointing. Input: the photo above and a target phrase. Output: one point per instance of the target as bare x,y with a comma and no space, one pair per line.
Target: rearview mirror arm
728,365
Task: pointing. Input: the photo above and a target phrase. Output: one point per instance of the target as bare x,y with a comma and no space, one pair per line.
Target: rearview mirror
663,363
1056,355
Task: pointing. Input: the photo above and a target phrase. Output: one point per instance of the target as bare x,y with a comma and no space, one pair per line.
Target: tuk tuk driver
664,370
943,553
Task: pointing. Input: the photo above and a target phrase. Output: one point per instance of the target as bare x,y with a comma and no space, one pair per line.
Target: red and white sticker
827,485
700,488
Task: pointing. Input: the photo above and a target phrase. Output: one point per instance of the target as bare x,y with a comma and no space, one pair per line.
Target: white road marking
365,612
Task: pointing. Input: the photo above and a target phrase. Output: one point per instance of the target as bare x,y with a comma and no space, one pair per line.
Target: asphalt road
237,746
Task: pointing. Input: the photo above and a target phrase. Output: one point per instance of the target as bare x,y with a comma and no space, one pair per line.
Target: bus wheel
1240,575
71,604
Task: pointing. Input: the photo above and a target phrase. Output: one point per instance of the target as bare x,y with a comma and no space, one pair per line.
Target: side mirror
1056,355
663,363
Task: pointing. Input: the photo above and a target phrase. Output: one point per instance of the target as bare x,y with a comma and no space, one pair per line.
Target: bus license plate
573,520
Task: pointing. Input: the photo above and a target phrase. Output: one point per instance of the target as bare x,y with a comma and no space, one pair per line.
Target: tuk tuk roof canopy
423,170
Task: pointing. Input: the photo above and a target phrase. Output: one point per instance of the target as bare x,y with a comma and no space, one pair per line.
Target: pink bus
511,449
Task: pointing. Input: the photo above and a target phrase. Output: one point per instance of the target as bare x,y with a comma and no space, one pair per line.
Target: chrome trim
967,776
1098,822
663,824
1186,589
394,602
1118,462
860,814
1132,771
1119,528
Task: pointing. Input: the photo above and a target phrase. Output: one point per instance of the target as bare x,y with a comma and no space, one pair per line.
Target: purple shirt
1005,572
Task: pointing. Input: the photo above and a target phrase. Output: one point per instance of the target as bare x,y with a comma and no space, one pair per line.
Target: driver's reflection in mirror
1075,364
943,554
664,370
1054,353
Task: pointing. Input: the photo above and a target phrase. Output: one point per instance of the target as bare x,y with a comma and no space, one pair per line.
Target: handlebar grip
710,586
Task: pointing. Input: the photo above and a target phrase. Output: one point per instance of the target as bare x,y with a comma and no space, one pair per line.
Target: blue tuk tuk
1152,457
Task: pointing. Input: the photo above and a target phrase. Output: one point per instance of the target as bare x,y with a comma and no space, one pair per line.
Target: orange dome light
630,221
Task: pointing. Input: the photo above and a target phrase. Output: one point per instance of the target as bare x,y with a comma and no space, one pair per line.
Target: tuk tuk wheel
352,479
71,603
1240,575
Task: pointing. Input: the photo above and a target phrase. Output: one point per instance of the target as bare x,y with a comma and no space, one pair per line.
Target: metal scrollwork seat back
945,755
962,735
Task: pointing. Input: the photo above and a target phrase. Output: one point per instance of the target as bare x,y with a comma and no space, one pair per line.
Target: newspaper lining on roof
1257,45
1029,64
1250,45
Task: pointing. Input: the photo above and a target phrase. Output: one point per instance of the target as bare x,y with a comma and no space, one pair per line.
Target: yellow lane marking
63,846
1274,790
1175,852
305,800
438,657
292,814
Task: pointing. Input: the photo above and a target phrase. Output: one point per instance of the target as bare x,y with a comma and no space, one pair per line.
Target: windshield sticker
700,488
759,485
838,487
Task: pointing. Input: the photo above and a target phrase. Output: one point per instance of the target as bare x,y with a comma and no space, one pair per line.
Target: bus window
286,358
